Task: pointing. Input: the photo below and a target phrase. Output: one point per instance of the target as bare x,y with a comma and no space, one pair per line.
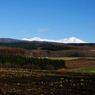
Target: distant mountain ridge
66,40
37,39
8,40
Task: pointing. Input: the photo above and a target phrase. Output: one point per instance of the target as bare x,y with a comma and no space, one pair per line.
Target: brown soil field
80,62
33,82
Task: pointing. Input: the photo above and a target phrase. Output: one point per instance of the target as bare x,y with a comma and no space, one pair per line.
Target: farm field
19,81
77,77
70,58
85,69
80,63
63,58
77,62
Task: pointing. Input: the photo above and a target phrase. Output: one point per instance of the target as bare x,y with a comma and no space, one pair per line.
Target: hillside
8,40
49,49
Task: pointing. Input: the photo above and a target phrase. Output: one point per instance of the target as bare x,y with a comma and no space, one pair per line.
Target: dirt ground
33,82
78,63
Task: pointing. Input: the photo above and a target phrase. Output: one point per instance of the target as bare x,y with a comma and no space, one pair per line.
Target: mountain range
66,40
35,47
37,39
9,40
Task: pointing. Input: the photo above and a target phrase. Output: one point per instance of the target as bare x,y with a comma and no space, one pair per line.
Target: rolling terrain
49,49
82,52
46,68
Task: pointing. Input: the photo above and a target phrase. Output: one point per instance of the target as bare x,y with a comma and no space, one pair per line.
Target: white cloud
66,40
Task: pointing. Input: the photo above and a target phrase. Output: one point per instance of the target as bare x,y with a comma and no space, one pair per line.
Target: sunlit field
69,58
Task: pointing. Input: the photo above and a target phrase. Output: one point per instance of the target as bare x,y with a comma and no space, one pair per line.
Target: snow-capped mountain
66,40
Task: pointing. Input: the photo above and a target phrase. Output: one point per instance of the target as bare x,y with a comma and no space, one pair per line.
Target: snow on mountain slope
66,40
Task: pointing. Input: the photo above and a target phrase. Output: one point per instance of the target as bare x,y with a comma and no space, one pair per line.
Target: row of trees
57,47
26,45
68,53
49,46
33,63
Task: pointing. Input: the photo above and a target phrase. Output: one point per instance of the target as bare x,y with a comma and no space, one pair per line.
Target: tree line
57,47
50,46
68,53
32,63
48,53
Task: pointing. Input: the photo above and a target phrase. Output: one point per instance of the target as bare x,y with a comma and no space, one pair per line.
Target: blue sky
51,19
